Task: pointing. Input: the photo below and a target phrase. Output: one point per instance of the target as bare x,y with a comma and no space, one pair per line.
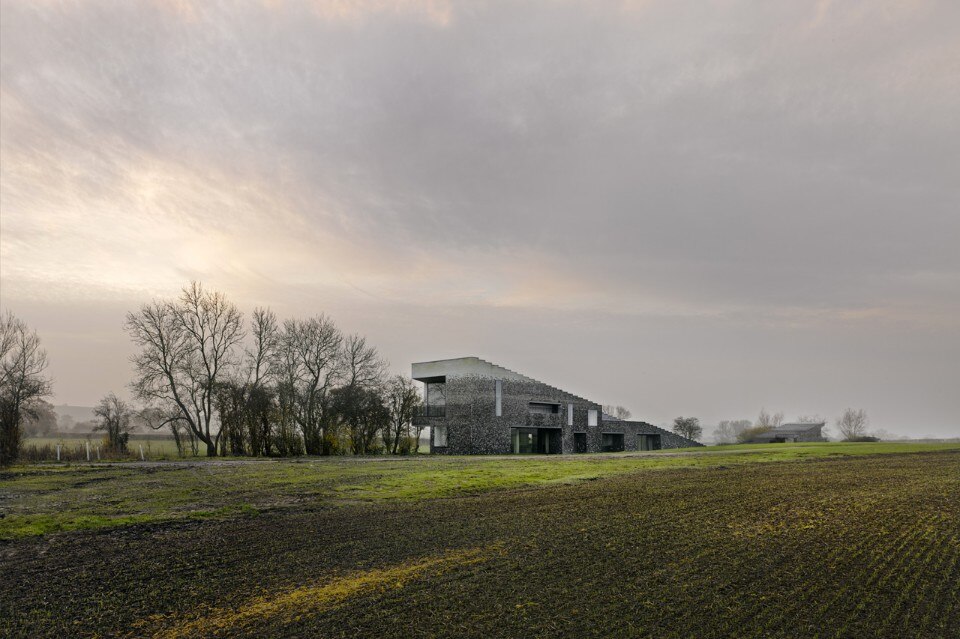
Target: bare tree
767,421
266,339
764,424
22,382
113,417
728,431
42,421
156,418
310,363
620,412
688,427
403,398
358,404
852,424
259,394
187,347
362,364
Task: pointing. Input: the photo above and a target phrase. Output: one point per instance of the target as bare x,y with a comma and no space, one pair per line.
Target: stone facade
462,400
790,433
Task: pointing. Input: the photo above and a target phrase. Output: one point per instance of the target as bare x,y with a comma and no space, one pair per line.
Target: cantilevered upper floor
463,367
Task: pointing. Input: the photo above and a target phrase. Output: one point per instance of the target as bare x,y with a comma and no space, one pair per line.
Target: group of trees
23,382
300,386
852,425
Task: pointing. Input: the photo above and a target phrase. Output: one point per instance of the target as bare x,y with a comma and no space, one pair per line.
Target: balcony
423,414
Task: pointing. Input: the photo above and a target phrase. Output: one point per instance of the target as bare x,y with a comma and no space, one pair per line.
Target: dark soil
858,547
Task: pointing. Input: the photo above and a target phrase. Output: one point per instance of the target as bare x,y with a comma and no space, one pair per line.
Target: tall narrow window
569,414
439,436
499,393
591,417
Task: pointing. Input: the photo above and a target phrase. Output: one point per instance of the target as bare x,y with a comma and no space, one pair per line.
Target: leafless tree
403,398
257,393
728,431
767,421
156,418
113,417
688,427
764,424
310,364
187,347
852,424
23,383
42,420
620,412
362,364
266,339
359,404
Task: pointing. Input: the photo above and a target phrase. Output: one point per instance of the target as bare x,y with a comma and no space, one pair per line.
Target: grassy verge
44,499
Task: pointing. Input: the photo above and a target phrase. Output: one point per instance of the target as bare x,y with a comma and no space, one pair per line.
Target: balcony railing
424,414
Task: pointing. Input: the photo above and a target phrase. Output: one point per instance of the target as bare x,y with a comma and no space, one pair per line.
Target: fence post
58,452
98,452
88,451
142,458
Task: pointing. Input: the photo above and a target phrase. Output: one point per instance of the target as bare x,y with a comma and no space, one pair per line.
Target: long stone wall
473,427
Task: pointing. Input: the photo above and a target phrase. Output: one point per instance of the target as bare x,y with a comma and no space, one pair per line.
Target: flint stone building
475,407
789,433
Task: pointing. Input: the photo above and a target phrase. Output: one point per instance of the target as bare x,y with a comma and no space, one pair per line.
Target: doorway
579,442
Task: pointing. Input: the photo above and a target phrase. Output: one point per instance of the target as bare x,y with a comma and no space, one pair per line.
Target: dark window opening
648,442
579,442
612,442
532,441
544,408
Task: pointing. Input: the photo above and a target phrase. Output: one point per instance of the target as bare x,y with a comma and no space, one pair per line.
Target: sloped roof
474,366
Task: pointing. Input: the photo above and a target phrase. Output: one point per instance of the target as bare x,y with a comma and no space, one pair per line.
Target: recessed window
569,414
611,442
499,394
544,408
439,436
591,417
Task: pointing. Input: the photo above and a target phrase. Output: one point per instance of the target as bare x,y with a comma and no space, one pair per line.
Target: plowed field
865,546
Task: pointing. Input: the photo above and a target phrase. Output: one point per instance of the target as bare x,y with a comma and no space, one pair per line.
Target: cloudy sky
690,208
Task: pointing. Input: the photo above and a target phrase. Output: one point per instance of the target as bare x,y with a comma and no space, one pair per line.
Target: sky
685,207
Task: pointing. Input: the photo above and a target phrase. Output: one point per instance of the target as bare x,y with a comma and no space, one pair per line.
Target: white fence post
142,458
98,452
58,452
88,451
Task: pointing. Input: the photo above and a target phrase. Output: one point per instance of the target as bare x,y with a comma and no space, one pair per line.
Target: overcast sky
690,208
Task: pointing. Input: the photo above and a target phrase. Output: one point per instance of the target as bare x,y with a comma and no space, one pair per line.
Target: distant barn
791,433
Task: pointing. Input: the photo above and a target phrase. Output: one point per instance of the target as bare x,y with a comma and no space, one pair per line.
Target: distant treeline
221,386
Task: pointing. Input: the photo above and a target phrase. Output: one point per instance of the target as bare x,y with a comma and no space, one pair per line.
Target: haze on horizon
687,208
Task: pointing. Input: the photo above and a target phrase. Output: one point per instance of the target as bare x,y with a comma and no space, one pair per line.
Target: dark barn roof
796,429
785,431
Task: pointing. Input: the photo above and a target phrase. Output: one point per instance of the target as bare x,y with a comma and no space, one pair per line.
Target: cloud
783,166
